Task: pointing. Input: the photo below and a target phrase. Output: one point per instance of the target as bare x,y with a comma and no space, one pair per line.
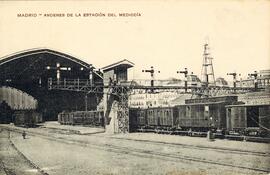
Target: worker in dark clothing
24,134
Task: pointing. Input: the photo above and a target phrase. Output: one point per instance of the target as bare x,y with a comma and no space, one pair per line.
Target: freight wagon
27,118
152,119
160,119
93,118
198,115
252,120
137,119
203,114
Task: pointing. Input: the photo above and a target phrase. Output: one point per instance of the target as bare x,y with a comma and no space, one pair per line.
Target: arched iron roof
35,51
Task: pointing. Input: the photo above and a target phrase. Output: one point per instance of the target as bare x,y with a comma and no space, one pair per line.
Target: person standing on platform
24,134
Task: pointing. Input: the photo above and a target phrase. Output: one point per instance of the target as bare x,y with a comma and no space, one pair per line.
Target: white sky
169,35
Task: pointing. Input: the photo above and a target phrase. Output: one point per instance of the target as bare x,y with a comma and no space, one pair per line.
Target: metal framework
124,90
123,110
85,86
208,77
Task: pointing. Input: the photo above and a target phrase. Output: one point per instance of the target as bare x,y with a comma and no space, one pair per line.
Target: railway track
32,164
199,147
5,169
151,153
9,171
178,145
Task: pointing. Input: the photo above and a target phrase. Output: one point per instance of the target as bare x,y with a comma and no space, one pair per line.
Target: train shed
38,65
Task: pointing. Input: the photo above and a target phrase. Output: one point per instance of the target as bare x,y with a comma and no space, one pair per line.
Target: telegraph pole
152,72
185,72
255,75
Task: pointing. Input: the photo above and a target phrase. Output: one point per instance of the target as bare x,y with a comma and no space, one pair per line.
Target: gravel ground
12,162
185,140
114,154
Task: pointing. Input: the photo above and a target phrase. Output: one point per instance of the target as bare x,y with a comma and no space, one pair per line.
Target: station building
148,100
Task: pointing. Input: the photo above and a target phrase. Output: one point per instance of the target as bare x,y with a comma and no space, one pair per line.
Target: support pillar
123,111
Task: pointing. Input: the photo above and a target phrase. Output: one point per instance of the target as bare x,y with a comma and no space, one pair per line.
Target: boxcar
78,118
160,117
248,119
94,118
27,118
203,114
98,118
166,117
152,120
137,119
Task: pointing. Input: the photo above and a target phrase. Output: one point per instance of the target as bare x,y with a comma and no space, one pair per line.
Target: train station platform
54,126
84,130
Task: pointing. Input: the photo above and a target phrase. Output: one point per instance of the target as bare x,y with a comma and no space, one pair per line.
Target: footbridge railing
83,85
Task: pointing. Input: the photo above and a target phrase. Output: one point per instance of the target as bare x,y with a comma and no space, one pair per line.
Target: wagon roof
160,107
246,105
206,103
